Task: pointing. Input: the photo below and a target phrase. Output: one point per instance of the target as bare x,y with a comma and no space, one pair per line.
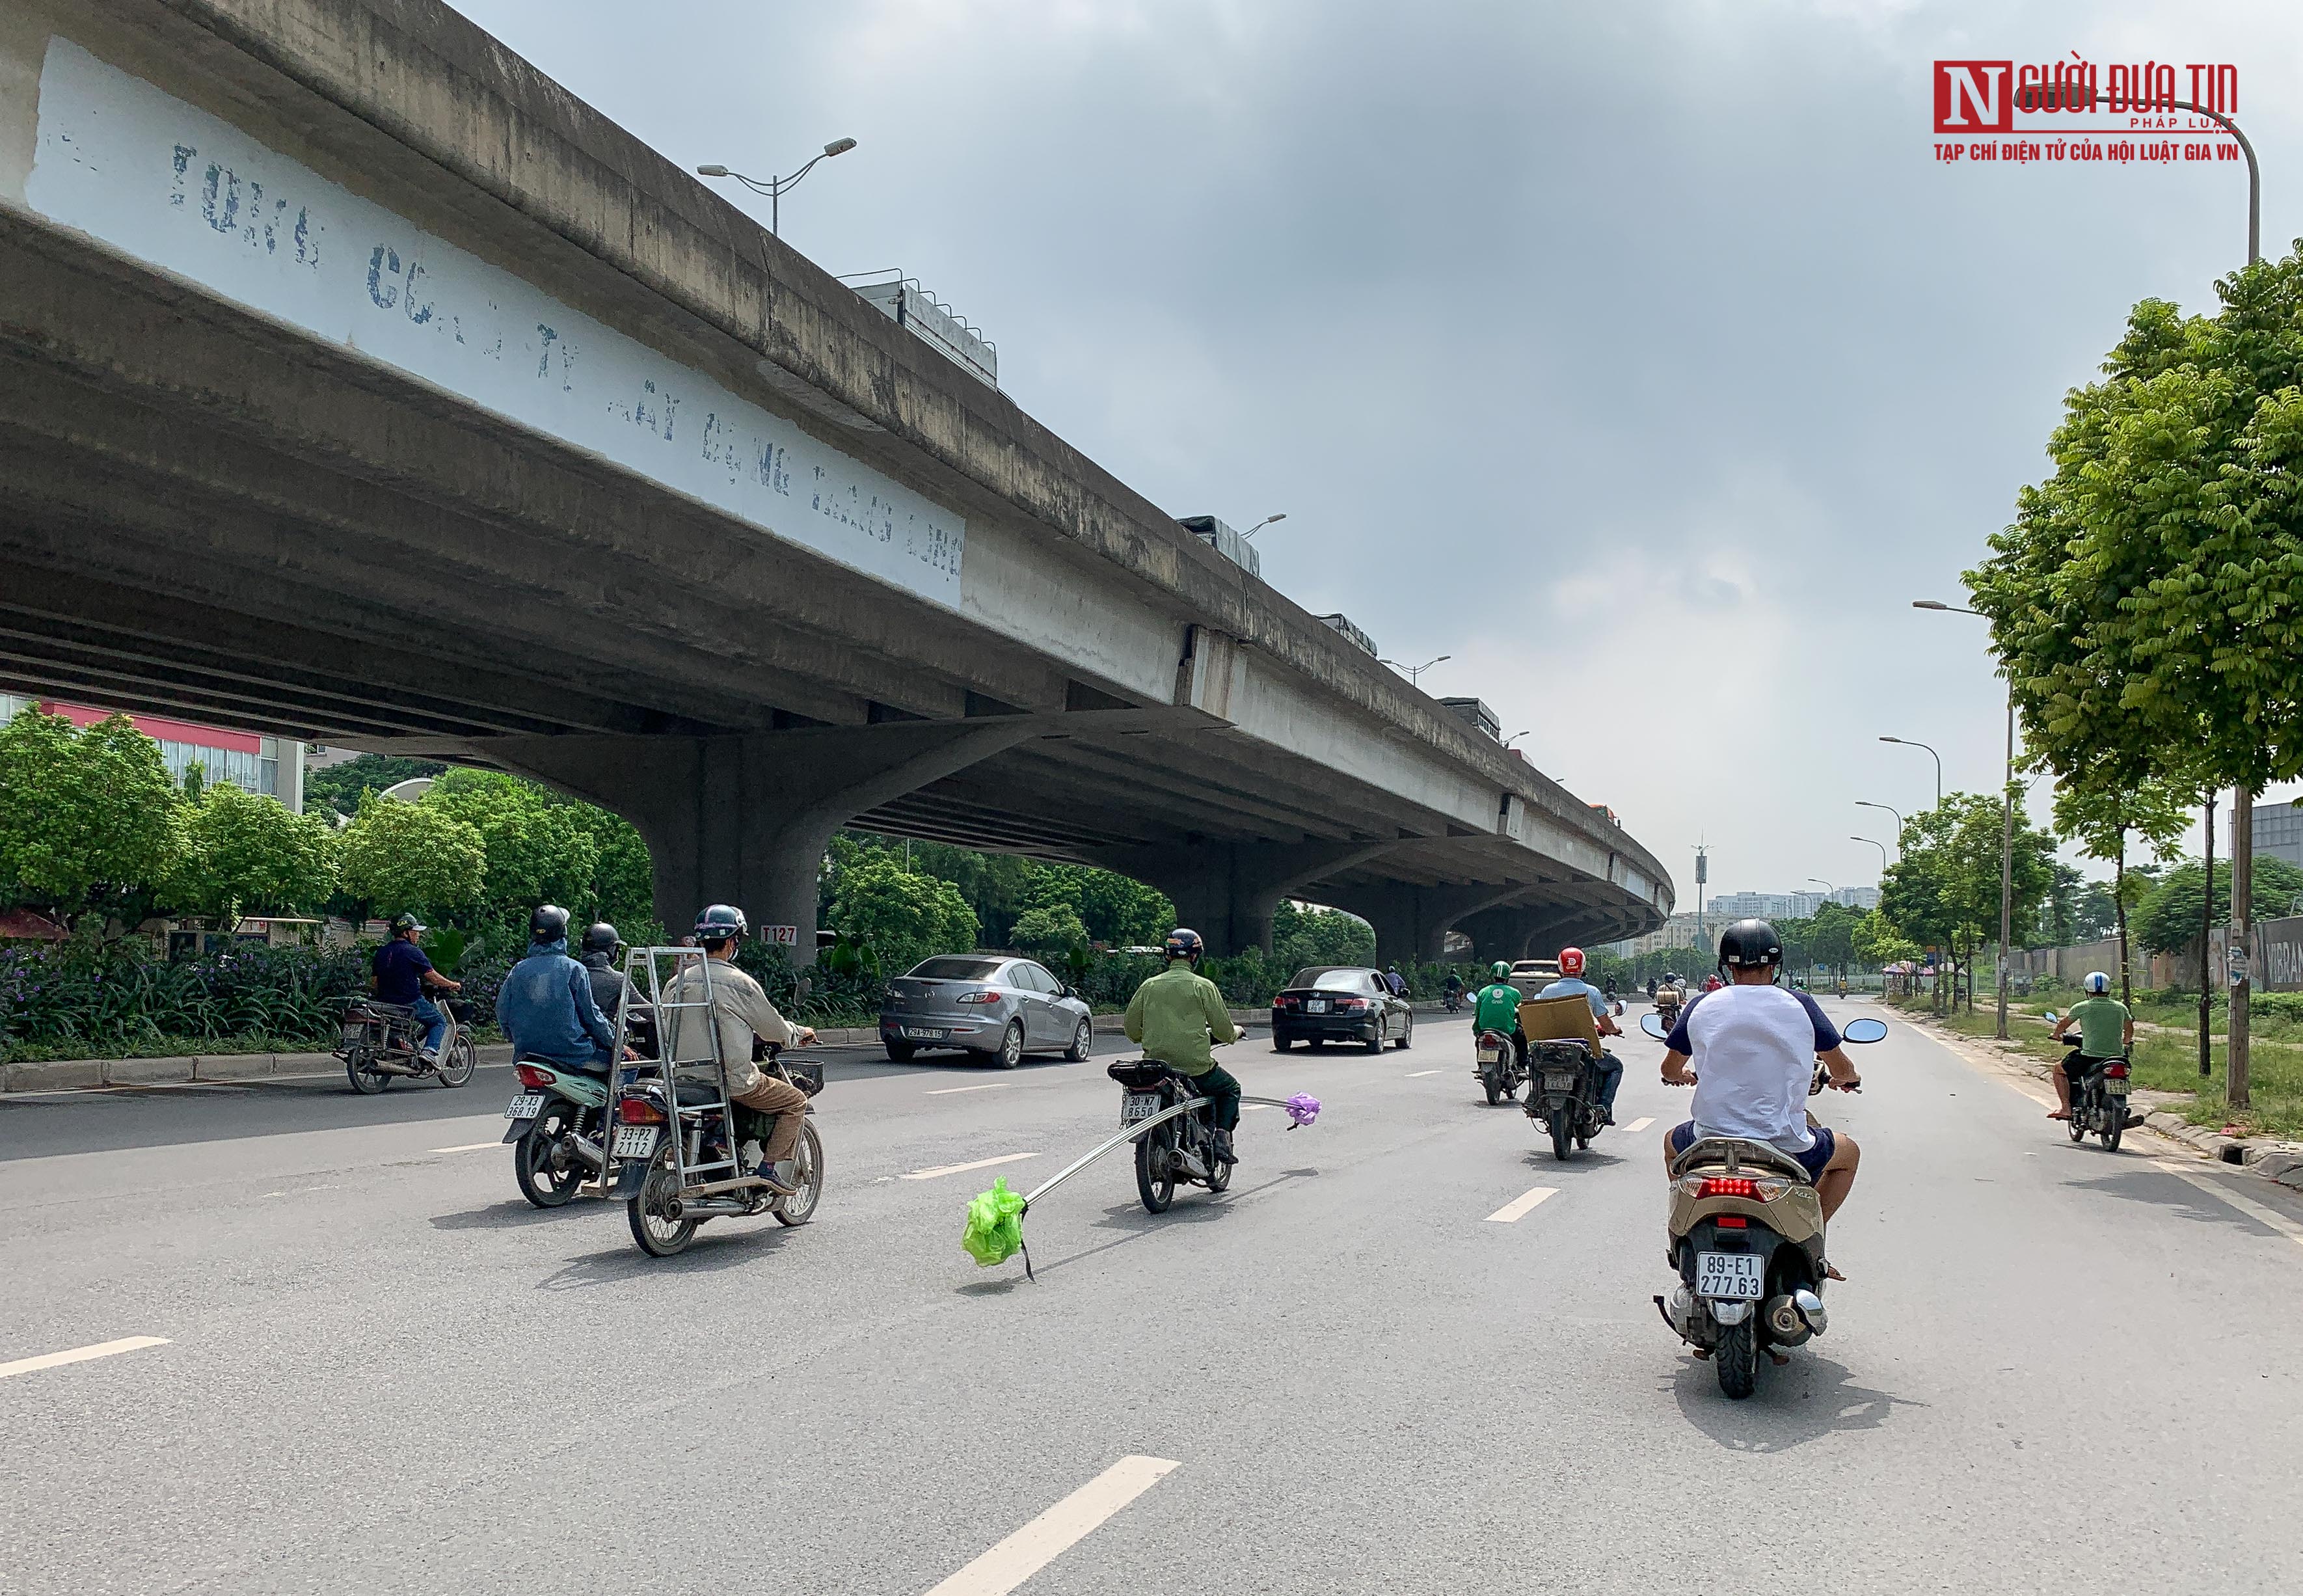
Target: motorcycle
1452,1001
1179,1150
1498,1067
1667,1007
382,1042
673,1145
1746,1235
555,1119
1563,1093
2099,1096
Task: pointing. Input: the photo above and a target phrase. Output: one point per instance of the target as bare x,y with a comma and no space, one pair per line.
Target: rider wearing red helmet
1572,984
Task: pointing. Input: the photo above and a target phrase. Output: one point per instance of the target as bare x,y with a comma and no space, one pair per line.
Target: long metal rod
1129,1135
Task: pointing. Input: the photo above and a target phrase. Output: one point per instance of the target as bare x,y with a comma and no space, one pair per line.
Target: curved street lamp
775,188
1908,743
1882,847
1266,521
1414,673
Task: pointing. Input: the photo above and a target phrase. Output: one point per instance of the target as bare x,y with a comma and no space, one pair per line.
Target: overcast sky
1637,353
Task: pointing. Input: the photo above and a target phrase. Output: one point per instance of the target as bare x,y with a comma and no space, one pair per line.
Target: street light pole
2006,826
1908,743
775,188
1882,847
1898,813
1266,521
1414,673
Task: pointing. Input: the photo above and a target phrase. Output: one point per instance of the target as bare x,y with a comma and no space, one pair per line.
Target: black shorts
2076,1065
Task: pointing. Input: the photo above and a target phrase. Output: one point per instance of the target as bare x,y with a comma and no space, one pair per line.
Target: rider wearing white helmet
2106,1030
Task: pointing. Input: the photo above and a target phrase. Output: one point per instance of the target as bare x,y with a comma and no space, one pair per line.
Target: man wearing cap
400,972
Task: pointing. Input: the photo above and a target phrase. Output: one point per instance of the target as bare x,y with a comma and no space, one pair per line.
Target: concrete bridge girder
1227,892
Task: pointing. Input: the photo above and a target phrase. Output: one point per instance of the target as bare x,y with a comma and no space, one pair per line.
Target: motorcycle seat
1723,1152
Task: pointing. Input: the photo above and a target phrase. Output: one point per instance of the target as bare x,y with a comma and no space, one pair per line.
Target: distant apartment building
1863,898
271,766
1678,932
2278,832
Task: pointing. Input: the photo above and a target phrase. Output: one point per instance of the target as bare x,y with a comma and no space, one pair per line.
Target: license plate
1138,1105
634,1141
1315,1006
355,1035
1738,1277
2116,1086
1491,1055
1559,1080
922,1033
527,1105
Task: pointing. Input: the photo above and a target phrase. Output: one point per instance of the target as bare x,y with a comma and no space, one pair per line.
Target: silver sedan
998,1009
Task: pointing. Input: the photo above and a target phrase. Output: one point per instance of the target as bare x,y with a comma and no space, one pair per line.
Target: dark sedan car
995,1008
1340,1003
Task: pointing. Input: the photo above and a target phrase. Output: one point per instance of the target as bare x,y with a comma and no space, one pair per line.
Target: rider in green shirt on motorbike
1497,1009
1176,1015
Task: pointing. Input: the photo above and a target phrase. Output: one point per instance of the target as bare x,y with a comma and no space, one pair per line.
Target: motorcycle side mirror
1864,1030
1652,1024
2051,1019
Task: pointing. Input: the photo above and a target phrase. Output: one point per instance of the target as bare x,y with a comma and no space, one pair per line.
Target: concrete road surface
321,1344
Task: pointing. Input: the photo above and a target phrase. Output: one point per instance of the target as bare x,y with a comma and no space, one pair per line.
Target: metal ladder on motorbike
657,973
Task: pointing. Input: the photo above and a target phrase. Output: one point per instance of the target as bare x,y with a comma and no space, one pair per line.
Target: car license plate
1315,1006
634,1141
1559,1080
1738,1277
1138,1105
922,1033
1491,1055
2116,1086
527,1105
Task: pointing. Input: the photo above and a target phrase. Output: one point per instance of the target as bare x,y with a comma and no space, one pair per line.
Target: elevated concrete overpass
357,383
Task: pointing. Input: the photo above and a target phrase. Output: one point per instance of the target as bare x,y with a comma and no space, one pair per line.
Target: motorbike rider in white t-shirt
1754,1046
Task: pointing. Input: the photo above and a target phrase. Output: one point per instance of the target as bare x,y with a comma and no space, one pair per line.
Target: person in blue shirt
1572,984
546,1004
398,974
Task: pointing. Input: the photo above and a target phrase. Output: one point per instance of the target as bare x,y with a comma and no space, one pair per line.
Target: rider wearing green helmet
1498,1009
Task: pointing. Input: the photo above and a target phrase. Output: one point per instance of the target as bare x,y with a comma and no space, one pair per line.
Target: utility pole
1703,874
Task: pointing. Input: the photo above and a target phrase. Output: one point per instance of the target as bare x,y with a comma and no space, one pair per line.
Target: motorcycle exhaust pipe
590,1152
1785,1328
701,1208
385,1067
1810,1309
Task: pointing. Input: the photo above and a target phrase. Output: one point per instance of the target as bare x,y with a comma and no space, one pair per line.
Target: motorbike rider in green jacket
1176,1015
1497,1009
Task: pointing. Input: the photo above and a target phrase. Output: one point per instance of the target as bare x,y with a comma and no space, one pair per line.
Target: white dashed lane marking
1057,1531
980,1163
947,1090
1519,1208
80,1355
1637,1125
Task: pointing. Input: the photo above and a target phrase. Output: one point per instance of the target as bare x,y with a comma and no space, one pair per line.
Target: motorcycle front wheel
1736,1356
1155,1171
800,1207
531,1160
659,1237
461,1059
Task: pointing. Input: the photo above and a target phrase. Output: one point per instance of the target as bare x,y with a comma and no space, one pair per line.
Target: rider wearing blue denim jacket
545,1004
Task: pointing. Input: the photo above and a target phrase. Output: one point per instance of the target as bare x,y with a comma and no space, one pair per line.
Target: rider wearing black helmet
1176,1015
399,973
546,1004
1754,1046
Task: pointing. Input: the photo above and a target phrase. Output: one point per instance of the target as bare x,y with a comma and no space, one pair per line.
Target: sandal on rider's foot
2059,1114
1829,1274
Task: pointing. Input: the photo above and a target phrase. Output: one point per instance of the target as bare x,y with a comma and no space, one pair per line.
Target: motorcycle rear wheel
800,1207
1736,1356
366,1082
2115,1117
1155,1173
658,1237
1563,1133
531,1160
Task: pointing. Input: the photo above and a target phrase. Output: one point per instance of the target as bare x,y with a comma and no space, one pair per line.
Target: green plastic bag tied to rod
995,1224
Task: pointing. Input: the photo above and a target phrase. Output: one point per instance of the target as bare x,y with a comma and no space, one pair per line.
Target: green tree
413,857
1117,911
1054,929
1877,941
2108,799
1312,935
341,787
539,849
245,851
1944,892
90,820
2169,920
900,916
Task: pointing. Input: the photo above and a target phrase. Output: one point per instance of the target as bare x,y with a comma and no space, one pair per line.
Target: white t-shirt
1753,1048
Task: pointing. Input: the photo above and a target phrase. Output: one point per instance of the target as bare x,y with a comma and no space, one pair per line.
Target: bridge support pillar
1412,921
745,818
1227,892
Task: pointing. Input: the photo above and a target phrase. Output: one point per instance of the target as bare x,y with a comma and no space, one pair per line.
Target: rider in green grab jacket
1497,1009
1176,1015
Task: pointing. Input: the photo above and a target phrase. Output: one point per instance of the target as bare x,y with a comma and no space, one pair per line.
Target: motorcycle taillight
1727,1186
639,1111
2117,1072
530,1076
